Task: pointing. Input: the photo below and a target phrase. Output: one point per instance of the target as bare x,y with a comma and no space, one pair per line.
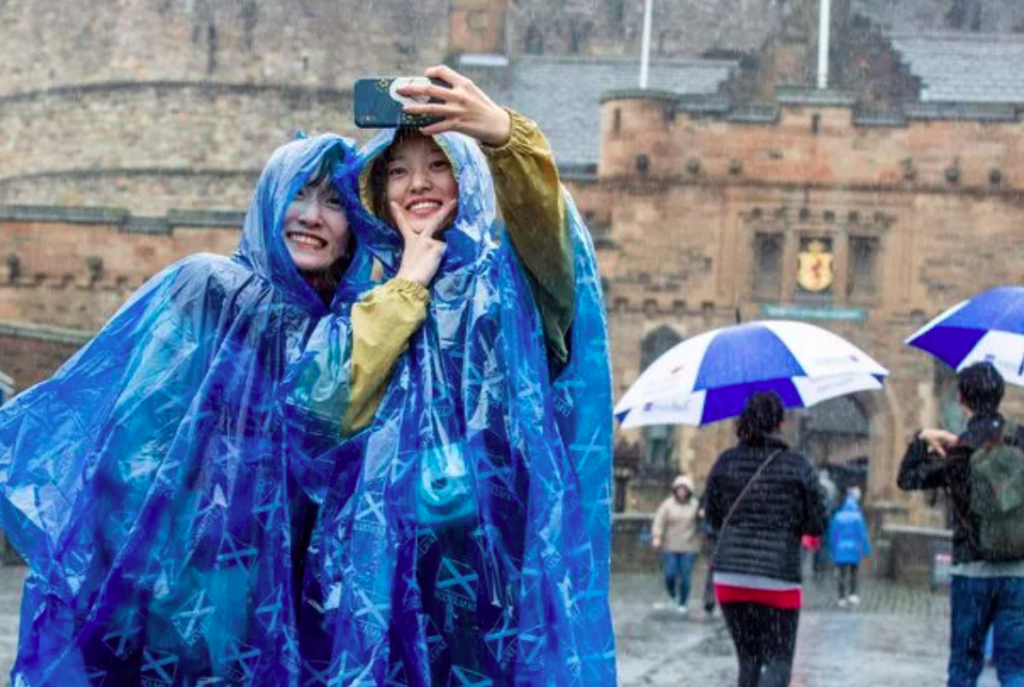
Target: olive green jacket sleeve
530,198
382,323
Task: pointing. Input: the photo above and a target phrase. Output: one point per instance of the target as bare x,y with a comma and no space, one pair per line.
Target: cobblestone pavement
897,636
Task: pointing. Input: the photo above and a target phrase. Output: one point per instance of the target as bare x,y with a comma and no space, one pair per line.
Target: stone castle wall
72,269
154,105
677,242
319,43
152,147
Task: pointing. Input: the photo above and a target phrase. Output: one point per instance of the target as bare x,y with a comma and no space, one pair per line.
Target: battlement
812,139
72,267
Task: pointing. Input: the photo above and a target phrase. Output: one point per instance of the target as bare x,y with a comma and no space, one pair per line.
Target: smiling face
420,179
315,227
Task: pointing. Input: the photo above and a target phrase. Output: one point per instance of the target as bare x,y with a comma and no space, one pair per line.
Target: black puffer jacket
785,503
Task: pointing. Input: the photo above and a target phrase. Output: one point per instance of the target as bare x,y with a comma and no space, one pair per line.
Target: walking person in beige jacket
676,533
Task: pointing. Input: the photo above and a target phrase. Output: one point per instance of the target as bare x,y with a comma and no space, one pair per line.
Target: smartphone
379,106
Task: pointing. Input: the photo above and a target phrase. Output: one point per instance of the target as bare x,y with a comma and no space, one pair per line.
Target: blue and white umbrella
711,376
988,327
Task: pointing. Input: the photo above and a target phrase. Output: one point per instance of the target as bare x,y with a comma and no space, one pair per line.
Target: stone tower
159,104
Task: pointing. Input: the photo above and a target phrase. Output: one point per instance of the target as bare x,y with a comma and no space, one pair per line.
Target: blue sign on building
805,312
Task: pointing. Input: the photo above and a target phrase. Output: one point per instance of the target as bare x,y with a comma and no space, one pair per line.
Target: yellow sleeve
530,198
382,323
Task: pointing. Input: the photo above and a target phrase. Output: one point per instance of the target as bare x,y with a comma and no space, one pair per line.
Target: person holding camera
988,571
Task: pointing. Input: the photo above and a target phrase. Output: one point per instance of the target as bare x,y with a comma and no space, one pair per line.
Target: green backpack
997,498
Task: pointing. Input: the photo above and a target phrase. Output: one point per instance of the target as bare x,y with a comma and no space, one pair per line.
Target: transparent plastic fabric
146,484
464,538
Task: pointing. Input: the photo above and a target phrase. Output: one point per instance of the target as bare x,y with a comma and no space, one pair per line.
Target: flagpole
645,48
824,37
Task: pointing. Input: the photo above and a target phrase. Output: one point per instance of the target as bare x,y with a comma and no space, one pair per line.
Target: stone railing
631,544
919,556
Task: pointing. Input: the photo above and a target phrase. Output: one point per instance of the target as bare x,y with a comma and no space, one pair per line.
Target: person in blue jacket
849,544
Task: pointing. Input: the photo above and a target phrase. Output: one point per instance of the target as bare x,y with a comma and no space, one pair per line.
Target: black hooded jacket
783,504
923,470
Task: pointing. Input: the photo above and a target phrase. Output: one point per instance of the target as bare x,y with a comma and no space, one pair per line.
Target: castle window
863,259
767,266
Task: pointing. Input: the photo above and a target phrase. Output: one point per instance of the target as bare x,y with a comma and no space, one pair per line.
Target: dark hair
981,387
761,417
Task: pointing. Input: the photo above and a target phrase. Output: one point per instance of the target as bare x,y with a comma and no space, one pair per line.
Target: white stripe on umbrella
986,328
820,352
822,364
676,369
937,321
817,389
1002,349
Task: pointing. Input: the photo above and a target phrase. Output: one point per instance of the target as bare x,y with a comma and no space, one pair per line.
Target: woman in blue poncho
465,537
147,484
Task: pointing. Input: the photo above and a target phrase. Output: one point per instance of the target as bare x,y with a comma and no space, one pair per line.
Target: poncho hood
470,234
262,247
148,484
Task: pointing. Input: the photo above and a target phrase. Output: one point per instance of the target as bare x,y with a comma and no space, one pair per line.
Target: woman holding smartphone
471,542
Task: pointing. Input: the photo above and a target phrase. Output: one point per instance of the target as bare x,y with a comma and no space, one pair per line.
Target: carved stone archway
853,434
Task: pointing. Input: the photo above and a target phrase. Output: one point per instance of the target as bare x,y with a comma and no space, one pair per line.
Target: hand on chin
426,226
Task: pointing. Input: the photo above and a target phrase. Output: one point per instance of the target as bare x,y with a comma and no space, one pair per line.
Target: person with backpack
983,472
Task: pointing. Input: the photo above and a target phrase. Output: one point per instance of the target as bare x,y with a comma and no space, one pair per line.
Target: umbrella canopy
711,376
988,327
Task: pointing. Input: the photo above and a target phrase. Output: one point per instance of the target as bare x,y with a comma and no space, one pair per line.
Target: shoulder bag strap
746,489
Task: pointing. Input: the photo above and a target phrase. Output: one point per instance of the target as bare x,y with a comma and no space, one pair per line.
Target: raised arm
815,511
384,320
530,197
921,469
527,187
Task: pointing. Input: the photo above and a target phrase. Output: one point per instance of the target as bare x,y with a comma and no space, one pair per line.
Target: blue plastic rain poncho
471,546
146,483
848,540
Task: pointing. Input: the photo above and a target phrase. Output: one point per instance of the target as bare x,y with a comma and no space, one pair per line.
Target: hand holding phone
379,105
450,102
